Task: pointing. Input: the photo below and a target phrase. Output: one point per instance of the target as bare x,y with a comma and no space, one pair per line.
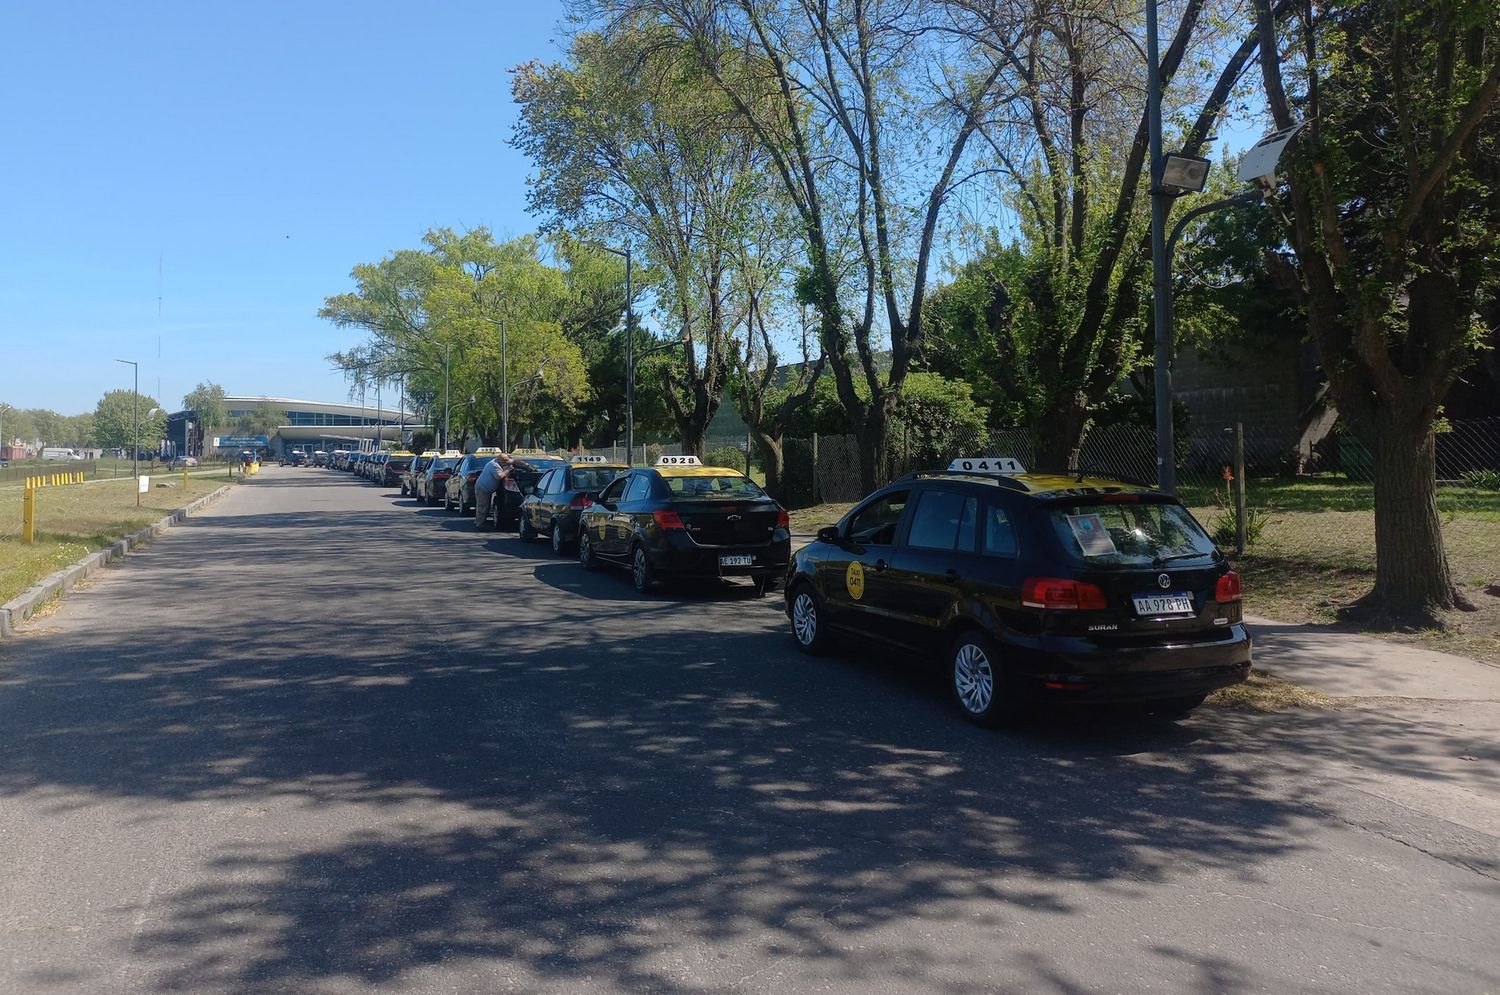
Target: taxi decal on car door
854,578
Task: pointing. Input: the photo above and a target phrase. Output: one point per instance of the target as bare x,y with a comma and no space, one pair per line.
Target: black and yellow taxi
1030,587
558,498
681,520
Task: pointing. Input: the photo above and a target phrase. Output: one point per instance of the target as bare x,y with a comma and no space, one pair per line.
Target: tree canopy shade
124,419
1393,196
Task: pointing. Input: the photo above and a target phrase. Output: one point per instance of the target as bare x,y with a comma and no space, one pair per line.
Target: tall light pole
504,391
1161,277
447,406
3,409
135,413
629,358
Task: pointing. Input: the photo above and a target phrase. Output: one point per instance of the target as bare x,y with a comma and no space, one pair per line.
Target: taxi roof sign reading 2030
987,464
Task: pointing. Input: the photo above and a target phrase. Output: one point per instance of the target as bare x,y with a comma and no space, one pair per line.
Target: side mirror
829,534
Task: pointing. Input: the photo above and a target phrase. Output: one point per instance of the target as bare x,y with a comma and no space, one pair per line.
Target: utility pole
504,391
135,415
1161,276
447,405
629,358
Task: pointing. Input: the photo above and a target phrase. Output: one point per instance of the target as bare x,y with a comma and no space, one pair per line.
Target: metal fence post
1239,488
815,470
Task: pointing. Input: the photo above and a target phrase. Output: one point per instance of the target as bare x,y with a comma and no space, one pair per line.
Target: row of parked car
1031,587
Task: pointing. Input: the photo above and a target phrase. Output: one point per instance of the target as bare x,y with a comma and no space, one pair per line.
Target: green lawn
76,519
1333,492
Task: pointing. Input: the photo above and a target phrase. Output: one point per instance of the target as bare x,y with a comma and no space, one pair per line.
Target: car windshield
717,486
442,464
1128,533
592,478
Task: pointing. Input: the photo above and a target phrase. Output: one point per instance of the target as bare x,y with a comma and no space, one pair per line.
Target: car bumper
683,558
1085,671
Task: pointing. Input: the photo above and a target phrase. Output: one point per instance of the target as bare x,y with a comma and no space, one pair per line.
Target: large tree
206,402
1393,195
128,420
631,145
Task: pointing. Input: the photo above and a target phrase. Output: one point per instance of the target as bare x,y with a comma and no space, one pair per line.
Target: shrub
1222,529
1488,480
730,456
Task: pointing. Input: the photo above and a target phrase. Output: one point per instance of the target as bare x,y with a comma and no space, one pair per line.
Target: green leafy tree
206,402
1392,196
123,419
262,420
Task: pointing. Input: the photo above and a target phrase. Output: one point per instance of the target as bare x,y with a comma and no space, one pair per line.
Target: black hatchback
1031,587
682,520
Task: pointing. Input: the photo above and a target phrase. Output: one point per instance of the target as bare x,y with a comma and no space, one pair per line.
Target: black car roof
1042,486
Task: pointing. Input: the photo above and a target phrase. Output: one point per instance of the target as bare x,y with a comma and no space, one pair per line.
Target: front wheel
641,572
809,627
558,544
586,551
524,529
977,681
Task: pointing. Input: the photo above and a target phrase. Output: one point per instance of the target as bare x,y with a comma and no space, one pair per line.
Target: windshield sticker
1092,536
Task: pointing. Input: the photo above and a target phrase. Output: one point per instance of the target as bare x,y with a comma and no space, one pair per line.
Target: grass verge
74,520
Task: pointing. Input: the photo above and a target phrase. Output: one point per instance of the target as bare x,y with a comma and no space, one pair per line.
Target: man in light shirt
485,487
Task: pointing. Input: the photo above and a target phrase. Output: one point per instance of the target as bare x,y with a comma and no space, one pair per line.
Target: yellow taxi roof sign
678,461
584,458
1005,465
488,451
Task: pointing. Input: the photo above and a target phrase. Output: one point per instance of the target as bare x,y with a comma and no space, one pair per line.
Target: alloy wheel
805,619
973,678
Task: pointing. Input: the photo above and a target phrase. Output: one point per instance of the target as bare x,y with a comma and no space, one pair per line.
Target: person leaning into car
485,487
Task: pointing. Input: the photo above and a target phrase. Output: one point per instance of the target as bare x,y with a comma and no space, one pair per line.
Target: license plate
1164,604
736,561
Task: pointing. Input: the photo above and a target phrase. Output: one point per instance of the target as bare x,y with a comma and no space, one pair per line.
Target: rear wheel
447,502
978,682
558,545
527,533
465,508
586,551
641,572
808,623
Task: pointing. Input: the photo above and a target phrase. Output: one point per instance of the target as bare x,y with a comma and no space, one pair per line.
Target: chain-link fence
1309,503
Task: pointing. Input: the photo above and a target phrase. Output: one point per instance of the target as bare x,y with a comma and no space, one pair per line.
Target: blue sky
260,150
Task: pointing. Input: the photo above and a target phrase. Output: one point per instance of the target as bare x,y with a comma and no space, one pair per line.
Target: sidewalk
1412,726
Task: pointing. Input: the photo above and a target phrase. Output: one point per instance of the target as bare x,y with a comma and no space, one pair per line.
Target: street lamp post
447,405
629,358
504,390
135,415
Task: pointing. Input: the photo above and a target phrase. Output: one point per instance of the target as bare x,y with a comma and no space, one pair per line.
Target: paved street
318,740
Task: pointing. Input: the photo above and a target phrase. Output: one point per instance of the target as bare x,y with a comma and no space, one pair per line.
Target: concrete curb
24,605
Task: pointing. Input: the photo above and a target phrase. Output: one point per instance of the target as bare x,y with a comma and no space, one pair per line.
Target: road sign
242,441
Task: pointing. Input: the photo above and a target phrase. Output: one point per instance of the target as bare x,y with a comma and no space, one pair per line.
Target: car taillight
668,520
783,520
581,501
473,476
1055,592
511,485
1228,589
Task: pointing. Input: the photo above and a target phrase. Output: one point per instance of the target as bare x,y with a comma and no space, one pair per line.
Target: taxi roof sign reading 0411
1005,465
679,461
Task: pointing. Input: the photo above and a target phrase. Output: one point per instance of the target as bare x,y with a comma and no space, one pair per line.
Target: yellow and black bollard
28,516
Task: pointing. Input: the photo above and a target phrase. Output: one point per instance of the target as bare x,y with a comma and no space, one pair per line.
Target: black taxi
555,504
680,519
1030,587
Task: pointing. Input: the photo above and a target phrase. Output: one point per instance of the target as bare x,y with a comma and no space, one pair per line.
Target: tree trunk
1059,435
690,434
1412,579
772,462
872,446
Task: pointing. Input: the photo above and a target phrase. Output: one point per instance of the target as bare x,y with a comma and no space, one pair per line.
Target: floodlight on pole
1182,174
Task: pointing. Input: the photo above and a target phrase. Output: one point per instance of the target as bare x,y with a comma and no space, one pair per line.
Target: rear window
439,463
420,463
537,466
727,486
592,478
1135,534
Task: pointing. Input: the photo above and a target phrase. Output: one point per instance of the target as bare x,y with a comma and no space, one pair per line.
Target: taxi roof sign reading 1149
679,461
986,464
588,459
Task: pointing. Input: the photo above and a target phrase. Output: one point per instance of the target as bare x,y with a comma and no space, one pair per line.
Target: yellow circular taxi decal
855,578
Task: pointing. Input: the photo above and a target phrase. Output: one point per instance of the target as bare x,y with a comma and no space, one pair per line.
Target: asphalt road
319,740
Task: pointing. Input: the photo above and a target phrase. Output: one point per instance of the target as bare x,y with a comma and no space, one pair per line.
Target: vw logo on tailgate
1163,581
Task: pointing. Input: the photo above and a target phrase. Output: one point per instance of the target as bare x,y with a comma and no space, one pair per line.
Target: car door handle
880,565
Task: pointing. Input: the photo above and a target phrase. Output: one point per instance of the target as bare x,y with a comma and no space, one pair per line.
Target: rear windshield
727,486
400,464
420,463
592,478
1128,533
438,463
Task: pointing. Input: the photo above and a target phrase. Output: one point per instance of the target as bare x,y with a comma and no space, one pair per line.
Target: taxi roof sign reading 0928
678,461
986,464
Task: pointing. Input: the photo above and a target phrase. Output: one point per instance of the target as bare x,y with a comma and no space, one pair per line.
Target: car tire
809,621
465,508
525,531
559,546
977,680
586,552
642,574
